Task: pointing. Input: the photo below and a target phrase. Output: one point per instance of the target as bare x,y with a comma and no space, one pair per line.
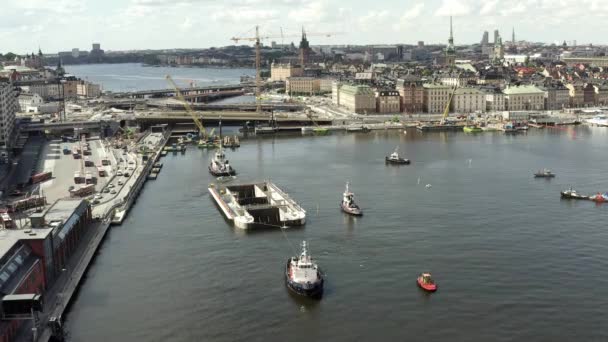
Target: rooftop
523,89
357,90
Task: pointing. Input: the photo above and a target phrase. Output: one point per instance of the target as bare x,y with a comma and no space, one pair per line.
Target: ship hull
217,173
399,161
306,290
351,211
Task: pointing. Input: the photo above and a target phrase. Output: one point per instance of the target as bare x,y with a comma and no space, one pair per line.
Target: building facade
469,100
302,85
281,71
388,101
335,92
460,79
557,97
360,99
525,97
601,94
412,95
8,107
495,100
436,97
29,102
86,89
577,96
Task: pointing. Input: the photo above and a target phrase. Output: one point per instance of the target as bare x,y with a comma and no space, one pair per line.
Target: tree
151,60
527,61
9,56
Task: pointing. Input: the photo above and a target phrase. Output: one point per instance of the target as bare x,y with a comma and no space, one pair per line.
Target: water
513,261
133,76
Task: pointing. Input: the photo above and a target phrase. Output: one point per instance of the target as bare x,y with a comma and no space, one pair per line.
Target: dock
260,204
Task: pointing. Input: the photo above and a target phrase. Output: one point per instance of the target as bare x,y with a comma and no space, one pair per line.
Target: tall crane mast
446,111
197,122
257,39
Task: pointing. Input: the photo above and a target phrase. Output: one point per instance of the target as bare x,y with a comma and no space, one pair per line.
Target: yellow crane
257,39
446,111
197,122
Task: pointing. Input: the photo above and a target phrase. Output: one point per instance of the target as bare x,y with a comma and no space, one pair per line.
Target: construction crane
257,39
197,122
446,111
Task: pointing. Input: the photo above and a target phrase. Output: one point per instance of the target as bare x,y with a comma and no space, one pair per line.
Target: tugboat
544,173
219,165
572,194
599,197
426,282
395,159
302,275
348,204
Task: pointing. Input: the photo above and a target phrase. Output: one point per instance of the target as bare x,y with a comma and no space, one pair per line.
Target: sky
60,25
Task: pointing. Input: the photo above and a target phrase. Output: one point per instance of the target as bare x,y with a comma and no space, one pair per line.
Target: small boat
348,204
302,275
426,282
219,165
544,173
600,120
472,129
266,130
395,159
572,194
362,129
320,130
599,197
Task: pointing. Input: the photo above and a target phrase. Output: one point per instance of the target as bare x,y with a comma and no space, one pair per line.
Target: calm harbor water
133,76
513,261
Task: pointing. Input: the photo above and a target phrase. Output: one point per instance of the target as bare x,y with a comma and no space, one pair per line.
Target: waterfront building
360,99
588,95
87,89
469,100
524,97
8,107
388,101
32,259
45,89
325,85
557,96
450,51
495,99
601,94
412,94
577,96
302,85
281,71
436,97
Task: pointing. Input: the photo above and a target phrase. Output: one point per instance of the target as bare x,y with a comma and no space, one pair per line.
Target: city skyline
165,24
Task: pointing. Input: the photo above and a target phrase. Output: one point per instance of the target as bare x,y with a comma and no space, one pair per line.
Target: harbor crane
446,111
197,122
257,39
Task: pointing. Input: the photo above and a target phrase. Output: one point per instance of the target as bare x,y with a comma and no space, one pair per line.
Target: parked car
106,190
120,183
113,192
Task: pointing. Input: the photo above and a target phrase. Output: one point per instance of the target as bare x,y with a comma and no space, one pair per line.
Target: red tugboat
426,282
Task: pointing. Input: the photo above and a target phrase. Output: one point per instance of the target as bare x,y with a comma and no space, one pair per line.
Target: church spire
451,31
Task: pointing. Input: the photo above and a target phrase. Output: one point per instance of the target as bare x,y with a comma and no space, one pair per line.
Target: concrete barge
257,204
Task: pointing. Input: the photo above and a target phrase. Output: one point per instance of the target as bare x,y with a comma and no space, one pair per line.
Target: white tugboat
219,164
395,159
348,204
302,275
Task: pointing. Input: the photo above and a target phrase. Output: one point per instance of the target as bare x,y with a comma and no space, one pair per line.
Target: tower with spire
499,51
450,51
304,49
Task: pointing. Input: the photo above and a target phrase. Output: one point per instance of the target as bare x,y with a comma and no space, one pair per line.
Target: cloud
454,8
488,7
373,19
413,12
311,12
236,15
